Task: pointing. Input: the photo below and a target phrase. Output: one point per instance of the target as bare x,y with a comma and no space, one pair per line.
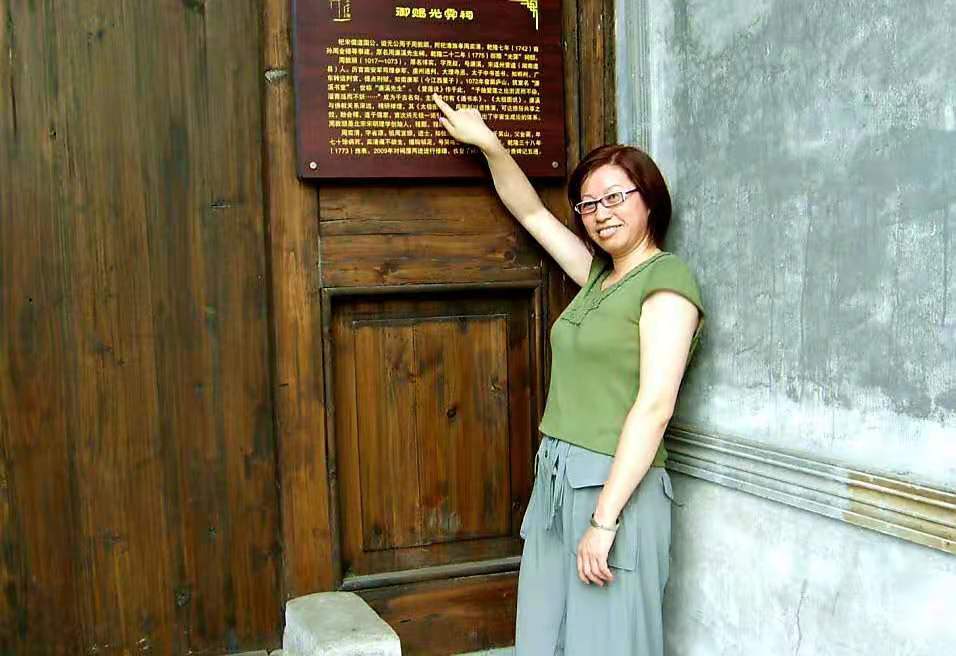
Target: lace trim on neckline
592,298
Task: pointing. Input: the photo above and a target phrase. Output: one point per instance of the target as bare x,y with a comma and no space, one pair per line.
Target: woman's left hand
592,556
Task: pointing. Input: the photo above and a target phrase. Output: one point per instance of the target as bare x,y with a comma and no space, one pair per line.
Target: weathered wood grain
136,403
451,616
37,518
370,260
433,404
292,210
462,398
149,220
391,235
385,413
405,208
399,234
596,72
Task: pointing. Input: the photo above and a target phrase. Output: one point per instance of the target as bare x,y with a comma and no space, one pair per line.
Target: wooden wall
139,503
164,483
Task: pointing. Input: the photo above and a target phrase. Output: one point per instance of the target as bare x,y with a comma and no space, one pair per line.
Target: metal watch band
612,529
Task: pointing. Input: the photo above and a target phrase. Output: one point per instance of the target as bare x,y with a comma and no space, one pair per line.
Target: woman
597,528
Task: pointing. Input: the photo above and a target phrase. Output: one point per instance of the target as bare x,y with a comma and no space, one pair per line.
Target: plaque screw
315,165
554,165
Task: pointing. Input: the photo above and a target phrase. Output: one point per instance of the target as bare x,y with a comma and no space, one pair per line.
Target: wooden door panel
433,401
462,426
375,207
370,260
387,445
446,617
432,426
381,233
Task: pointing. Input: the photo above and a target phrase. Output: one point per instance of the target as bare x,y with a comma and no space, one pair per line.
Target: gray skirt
557,613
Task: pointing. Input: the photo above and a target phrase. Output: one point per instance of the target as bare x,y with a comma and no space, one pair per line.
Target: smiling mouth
607,231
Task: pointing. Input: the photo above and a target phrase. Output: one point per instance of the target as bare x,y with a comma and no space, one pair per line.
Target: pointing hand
466,125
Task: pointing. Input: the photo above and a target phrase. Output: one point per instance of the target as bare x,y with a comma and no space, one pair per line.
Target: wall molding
912,512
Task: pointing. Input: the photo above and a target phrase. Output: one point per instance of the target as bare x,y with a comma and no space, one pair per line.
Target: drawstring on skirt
553,458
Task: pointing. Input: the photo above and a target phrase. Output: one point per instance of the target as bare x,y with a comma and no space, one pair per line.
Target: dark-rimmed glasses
607,200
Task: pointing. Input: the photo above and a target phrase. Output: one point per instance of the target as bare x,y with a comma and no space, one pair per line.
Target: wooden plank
481,464
367,260
185,387
560,288
451,616
440,554
590,92
439,426
572,83
342,359
37,522
402,234
133,322
524,411
426,208
609,65
461,397
292,210
432,573
384,385
12,608
124,583
234,258
595,47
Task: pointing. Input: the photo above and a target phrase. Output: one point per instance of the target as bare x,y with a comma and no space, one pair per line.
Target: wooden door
432,307
179,314
138,502
433,414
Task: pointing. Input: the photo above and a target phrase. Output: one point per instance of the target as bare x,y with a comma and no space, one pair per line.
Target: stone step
502,651
336,624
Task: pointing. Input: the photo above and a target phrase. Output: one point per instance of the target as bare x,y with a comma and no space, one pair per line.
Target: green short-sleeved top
596,352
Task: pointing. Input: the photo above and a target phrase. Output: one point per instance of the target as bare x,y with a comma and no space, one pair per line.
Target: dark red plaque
365,71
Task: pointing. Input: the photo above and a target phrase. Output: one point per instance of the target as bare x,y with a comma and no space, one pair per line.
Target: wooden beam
595,41
292,218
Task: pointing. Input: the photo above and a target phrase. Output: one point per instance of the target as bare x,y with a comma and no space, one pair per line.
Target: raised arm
516,192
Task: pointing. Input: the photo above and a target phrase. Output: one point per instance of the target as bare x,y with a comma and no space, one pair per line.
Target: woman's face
618,230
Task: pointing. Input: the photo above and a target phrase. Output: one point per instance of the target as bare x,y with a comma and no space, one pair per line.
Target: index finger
443,106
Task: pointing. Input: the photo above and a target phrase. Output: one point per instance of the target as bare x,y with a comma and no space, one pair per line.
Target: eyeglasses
607,200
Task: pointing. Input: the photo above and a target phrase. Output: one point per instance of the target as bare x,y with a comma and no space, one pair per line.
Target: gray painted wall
810,148
811,151
751,577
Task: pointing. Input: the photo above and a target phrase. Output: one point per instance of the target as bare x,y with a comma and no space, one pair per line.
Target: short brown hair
642,171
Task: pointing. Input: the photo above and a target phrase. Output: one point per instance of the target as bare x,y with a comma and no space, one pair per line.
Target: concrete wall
754,577
811,152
